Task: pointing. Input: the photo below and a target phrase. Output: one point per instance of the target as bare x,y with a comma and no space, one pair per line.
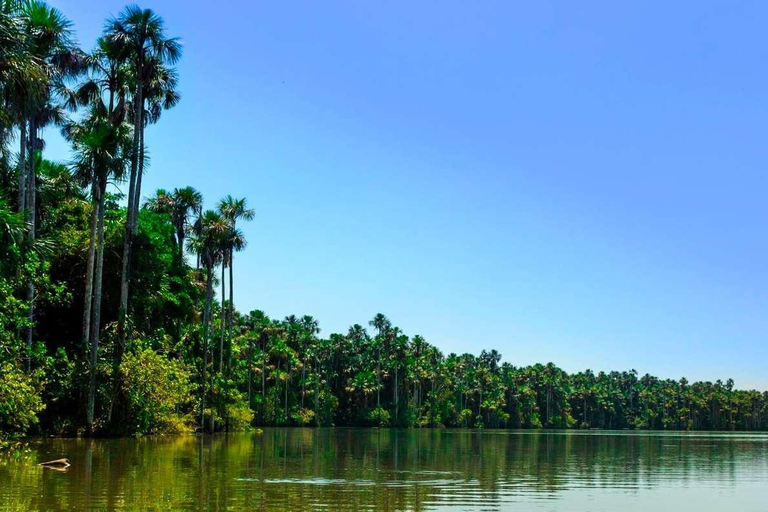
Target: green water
356,469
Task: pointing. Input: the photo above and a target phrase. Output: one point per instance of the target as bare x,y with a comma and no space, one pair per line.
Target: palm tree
186,201
139,36
100,149
101,142
179,205
161,202
310,327
233,210
22,76
382,324
48,38
234,242
209,244
159,93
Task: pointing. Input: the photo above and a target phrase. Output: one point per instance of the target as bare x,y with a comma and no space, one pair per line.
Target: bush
379,417
158,391
239,415
19,401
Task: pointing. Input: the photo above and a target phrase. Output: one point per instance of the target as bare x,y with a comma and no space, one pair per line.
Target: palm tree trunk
250,373
263,382
303,375
22,165
287,381
230,318
97,292
396,386
212,420
88,301
317,392
90,265
180,238
128,241
221,340
31,204
139,174
223,318
206,328
378,379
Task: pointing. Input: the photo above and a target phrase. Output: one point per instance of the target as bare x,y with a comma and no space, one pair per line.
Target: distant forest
109,320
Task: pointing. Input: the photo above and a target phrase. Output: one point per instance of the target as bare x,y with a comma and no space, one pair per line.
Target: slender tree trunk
97,293
396,386
221,341
250,373
230,317
223,318
90,265
32,206
263,382
139,174
378,379
303,375
206,328
180,238
212,420
287,381
317,393
22,165
138,124
88,302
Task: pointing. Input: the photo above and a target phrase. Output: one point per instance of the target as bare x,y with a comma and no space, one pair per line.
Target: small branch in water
58,464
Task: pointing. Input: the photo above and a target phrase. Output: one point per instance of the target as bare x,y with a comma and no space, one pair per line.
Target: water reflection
352,469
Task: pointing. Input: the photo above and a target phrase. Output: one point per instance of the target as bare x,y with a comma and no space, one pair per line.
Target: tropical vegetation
109,324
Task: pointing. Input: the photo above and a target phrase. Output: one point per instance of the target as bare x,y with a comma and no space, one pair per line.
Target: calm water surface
355,469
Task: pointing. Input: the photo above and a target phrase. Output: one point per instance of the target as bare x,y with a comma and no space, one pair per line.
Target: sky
575,182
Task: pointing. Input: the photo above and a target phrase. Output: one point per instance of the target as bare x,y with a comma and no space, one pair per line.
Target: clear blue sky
576,182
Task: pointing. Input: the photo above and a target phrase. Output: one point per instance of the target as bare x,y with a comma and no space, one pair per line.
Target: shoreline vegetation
109,323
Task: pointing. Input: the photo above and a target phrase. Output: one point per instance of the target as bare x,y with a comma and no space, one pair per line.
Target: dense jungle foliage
108,320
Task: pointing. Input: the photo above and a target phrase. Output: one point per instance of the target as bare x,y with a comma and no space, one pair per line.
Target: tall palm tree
22,77
209,244
100,148
48,36
233,210
101,141
382,324
310,327
139,34
159,93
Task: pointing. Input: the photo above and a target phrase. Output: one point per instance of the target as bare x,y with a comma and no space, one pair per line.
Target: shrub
19,401
158,391
379,417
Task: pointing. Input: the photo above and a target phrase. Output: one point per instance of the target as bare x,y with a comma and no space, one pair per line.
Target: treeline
385,378
109,323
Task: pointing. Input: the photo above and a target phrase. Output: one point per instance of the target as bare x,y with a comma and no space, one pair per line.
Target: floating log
58,463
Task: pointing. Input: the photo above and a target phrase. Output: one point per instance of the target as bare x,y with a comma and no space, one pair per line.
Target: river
359,469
